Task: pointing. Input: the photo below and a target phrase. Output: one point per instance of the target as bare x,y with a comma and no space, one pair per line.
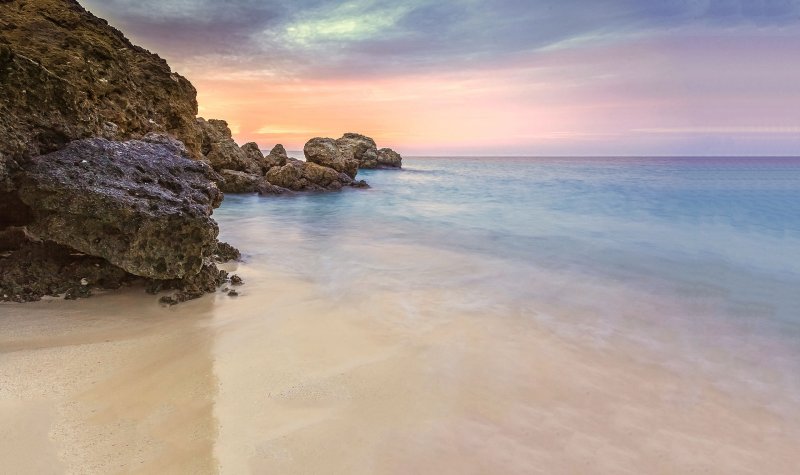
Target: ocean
463,315
697,259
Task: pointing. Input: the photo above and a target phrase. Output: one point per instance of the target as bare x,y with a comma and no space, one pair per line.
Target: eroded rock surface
360,148
388,158
297,175
221,151
240,182
325,152
66,74
136,204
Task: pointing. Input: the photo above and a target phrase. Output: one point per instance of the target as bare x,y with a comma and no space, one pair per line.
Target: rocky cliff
136,209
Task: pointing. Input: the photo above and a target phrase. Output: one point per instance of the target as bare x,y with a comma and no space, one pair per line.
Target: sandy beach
118,384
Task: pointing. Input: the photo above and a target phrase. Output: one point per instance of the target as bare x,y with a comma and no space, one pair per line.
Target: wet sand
287,379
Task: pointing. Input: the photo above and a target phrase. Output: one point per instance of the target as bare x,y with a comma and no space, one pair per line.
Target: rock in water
388,158
360,148
136,204
325,152
240,182
297,175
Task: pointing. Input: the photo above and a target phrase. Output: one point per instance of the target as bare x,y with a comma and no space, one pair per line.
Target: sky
500,77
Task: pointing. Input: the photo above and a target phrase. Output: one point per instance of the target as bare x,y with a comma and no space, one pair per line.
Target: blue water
692,256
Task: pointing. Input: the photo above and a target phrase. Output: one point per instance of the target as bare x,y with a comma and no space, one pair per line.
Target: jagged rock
325,152
277,158
66,74
221,151
304,176
208,280
266,188
254,155
360,148
136,204
225,252
240,182
177,147
38,269
388,158
369,159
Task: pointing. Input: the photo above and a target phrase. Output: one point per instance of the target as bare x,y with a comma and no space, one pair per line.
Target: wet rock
233,293
240,182
136,204
266,188
208,280
388,158
304,176
325,152
360,184
225,252
236,280
359,148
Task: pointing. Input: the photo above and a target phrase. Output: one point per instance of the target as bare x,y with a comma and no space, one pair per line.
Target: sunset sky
503,77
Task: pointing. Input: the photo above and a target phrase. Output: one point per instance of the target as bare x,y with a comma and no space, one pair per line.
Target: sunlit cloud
511,76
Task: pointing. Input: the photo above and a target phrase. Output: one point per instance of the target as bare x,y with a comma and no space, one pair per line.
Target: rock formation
325,152
365,151
66,75
221,151
136,204
297,175
388,158
98,212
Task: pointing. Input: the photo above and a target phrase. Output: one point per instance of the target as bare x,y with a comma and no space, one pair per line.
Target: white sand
285,379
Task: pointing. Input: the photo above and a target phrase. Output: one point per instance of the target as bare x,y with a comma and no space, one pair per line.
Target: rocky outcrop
79,212
135,204
359,148
297,175
325,152
240,182
388,158
67,75
221,151
277,158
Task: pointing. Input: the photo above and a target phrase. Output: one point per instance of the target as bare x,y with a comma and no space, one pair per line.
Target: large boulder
388,158
138,205
240,182
325,152
221,151
360,148
297,175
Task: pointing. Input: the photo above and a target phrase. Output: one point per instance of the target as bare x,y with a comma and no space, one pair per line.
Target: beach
431,326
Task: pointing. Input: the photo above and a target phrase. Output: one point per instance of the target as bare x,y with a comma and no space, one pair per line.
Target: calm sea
695,260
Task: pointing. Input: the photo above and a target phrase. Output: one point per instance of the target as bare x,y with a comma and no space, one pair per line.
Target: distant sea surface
696,260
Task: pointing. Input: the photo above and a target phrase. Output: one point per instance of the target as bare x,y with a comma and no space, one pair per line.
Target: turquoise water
695,259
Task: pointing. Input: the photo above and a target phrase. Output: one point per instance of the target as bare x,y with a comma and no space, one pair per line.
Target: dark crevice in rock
13,212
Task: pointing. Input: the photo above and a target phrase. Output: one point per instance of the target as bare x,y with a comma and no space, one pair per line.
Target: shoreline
295,387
